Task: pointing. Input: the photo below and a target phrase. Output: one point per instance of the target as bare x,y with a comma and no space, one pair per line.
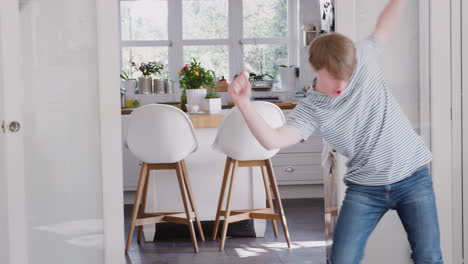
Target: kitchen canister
158,86
145,85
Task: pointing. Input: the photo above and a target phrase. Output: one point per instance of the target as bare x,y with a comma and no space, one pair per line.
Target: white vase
130,85
212,106
196,96
287,78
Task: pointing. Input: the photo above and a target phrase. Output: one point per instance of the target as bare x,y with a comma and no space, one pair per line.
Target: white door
406,69
54,181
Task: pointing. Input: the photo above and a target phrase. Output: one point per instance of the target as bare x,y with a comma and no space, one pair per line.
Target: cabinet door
313,144
298,168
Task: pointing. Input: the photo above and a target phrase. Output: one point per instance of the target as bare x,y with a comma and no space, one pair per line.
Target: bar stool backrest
160,133
235,139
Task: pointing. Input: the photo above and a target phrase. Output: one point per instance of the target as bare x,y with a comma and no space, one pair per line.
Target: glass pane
62,141
265,18
144,20
143,54
205,19
262,58
211,57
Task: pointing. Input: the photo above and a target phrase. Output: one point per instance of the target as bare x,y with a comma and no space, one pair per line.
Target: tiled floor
306,225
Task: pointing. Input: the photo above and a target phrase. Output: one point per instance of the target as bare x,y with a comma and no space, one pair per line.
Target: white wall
356,19
309,13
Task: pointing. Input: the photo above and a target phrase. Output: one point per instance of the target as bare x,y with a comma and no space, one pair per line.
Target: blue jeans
413,199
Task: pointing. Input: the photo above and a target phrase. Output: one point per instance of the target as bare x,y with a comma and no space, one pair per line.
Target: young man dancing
352,108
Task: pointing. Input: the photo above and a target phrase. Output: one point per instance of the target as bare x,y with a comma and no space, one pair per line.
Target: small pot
158,86
145,85
212,105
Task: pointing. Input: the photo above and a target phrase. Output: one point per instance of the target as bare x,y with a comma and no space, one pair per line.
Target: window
227,36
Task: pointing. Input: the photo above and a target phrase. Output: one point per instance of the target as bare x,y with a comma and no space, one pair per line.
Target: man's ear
311,66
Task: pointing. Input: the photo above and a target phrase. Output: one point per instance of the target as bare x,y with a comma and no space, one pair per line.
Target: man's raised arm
389,19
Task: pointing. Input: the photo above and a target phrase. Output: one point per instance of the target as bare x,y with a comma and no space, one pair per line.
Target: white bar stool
161,137
243,150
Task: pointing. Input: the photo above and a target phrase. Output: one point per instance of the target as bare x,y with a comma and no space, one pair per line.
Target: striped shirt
365,124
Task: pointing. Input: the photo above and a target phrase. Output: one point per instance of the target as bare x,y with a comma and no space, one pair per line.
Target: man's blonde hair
335,53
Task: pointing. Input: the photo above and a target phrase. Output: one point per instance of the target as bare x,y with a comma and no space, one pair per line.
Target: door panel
401,62
61,131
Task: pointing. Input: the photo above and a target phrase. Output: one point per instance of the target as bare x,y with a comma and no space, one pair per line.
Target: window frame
234,41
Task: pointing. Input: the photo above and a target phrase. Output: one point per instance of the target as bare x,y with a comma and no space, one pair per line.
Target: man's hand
389,19
240,90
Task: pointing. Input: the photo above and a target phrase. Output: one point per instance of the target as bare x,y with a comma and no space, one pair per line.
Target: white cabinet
131,166
301,163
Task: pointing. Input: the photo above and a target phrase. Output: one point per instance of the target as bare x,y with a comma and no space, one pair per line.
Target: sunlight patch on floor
244,251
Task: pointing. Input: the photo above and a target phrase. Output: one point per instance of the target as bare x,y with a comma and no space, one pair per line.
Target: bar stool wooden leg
227,172
136,205
268,196
228,206
279,205
180,178
143,206
192,201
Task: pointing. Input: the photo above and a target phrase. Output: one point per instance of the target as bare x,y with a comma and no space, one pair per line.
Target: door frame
12,174
464,112
108,37
439,74
457,132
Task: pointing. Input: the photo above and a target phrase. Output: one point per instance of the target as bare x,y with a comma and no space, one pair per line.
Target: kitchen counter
198,120
282,105
211,120
296,165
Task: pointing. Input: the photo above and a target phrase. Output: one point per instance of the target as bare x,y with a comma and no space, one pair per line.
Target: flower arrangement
150,68
193,76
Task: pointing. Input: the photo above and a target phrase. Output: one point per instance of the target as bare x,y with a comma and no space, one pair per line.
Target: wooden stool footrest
240,215
153,218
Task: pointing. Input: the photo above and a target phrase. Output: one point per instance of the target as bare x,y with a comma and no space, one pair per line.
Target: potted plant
193,79
147,69
212,103
130,84
262,81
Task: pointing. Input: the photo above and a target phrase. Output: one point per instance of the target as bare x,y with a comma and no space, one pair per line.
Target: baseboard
301,191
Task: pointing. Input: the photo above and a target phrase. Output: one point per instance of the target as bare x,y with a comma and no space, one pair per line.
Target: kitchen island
206,168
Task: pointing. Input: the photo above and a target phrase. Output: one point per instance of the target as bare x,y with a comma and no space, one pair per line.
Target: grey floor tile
306,227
